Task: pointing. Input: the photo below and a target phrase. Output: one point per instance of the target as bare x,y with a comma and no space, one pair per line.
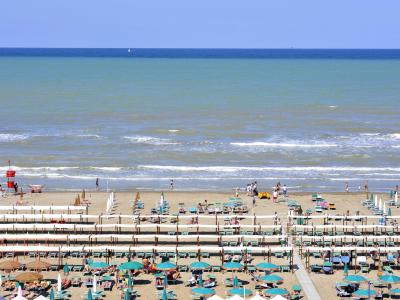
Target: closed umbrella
51,294
94,284
59,287
235,282
346,269
66,269
201,280
90,296
164,294
127,296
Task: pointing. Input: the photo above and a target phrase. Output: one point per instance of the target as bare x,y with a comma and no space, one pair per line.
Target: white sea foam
149,140
395,136
283,145
266,168
332,106
173,130
109,169
8,137
95,136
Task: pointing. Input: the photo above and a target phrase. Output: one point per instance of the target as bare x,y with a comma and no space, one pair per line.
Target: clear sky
200,23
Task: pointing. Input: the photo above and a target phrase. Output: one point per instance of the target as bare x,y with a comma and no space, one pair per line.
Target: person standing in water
172,184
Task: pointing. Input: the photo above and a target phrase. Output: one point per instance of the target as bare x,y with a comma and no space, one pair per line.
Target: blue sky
200,23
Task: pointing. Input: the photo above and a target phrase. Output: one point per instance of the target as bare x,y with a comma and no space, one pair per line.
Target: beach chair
284,268
388,269
316,268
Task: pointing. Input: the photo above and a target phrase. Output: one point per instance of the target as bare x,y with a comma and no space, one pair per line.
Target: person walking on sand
97,183
172,184
284,190
366,187
254,201
275,196
346,187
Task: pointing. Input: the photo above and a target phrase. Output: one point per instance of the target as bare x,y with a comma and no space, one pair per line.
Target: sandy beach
144,284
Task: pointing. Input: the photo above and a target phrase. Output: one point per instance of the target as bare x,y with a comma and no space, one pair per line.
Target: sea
210,119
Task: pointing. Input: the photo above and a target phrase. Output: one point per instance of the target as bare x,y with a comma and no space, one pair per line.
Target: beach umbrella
277,291
389,212
203,291
346,269
37,265
396,197
130,283
380,204
126,297
66,269
199,265
201,280
19,295
232,265
235,281
240,291
278,297
130,265
258,297
364,293
41,297
271,278
390,278
28,277
355,278
235,297
52,294
59,287
165,266
98,265
375,200
164,294
94,284
384,207
215,297
266,266
1,280
9,265
395,291
89,295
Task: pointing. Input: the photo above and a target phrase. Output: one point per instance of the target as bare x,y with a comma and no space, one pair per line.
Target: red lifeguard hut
10,174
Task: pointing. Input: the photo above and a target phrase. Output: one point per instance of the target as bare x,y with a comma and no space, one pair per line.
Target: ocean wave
288,145
395,136
149,140
8,137
19,169
266,168
173,130
95,136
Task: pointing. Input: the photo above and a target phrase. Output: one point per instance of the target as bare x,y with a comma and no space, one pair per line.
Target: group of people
251,189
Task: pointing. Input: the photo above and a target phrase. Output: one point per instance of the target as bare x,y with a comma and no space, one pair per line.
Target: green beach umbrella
271,278
346,269
90,296
130,265
232,265
203,291
99,265
199,265
364,293
277,291
355,278
51,294
165,266
266,266
390,278
240,292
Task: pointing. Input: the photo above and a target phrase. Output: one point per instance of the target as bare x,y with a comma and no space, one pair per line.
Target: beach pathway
307,285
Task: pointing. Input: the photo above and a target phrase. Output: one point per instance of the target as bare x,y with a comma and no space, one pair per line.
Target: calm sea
209,119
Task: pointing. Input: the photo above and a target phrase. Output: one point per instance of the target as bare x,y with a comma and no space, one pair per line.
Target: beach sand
145,283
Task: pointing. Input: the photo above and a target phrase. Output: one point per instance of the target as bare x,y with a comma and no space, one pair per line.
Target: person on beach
237,192
16,188
284,190
254,201
248,189
275,196
172,184
366,187
97,183
346,187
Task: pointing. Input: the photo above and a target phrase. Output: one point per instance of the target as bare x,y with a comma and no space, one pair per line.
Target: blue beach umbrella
165,266
90,296
199,265
232,265
130,265
355,278
235,282
390,278
240,291
164,294
98,265
271,278
364,293
51,294
277,291
266,266
203,291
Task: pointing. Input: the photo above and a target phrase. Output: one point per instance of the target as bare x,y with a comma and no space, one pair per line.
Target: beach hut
38,265
9,265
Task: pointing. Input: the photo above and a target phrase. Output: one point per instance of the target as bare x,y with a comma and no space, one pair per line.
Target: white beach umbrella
396,197
236,297
376,200
384,207
1,280
59,287
94,284
41,298
162,199
257,297
278,297
380,204
215,297
19,295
